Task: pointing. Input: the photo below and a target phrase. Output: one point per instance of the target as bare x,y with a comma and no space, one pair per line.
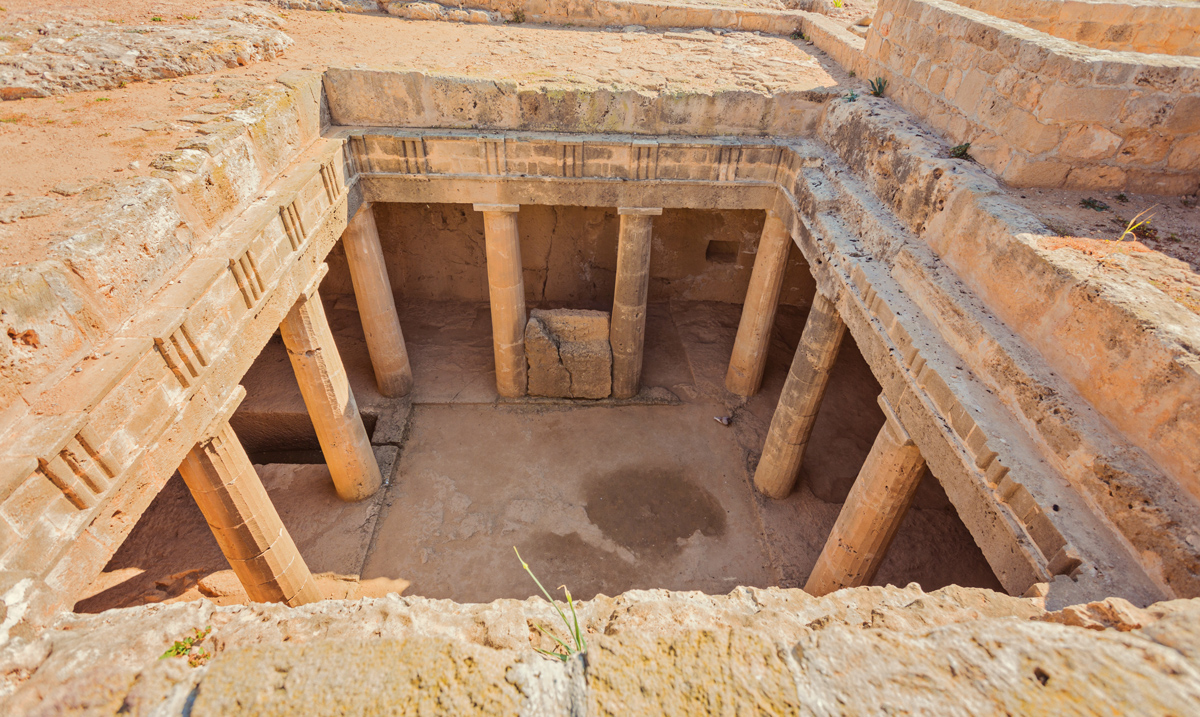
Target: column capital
640,211
223,413
893,422
314,283
506,208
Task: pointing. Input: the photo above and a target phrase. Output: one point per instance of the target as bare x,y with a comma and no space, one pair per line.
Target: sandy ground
600,498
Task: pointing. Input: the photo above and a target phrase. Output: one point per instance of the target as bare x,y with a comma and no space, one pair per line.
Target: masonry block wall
1038,110
1152,26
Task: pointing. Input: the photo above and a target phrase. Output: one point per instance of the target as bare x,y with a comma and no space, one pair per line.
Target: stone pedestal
758,312
376,305
327,395
506,288
247,528
628,333
568,353
800,400
872,513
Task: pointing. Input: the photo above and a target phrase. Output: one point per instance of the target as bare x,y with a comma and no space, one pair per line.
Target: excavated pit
604,498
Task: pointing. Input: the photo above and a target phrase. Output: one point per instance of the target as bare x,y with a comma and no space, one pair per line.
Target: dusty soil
600,498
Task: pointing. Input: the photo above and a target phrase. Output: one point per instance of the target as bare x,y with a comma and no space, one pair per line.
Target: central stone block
569,354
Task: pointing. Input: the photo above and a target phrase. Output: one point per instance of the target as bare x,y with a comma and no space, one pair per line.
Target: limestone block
569,354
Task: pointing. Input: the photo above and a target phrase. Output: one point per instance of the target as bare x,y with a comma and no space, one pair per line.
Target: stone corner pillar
749,358
872,513
627,333
327,395
376,304
243,520
792,424
506,292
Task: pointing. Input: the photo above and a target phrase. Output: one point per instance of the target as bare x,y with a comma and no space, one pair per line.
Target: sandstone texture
863,650
569,354
72,56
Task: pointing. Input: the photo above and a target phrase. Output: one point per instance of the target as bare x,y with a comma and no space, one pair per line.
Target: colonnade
888,480
234,502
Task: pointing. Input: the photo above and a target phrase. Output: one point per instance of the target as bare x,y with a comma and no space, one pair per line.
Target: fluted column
246,525
800,400
745,373
376,305
506,289
872,513
627,332
328,397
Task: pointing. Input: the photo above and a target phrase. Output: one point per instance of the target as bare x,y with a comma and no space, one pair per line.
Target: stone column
506,289
376,305
327,394
800,400
627,333
243,520
872,512
758,312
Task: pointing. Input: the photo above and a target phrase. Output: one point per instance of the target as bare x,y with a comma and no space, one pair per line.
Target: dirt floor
652,493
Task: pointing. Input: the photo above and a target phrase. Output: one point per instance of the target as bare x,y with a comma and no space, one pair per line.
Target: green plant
838,4
962,151
878,85
852,96
853,73
1093,203
1134,225
797,35
101,99
185,647
578,644
156,18
518,16
1121,197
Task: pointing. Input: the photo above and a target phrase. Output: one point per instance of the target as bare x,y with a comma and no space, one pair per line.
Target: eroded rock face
776,651
73,56
569,354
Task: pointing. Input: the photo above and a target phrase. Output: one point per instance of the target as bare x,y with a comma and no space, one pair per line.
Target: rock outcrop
773,651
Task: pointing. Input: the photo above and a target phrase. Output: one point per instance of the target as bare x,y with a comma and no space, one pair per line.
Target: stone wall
1153,26
1038,110
856,651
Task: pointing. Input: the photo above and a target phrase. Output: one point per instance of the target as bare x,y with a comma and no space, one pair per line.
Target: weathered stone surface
73,56
861,650
568,353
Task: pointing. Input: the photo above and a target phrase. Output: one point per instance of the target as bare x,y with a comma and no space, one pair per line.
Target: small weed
838,4
797,35
1172,237
189,647
1121,198
962,151
1134,225
853,73
12,119
578,644
518,17
101,99
852,96
104,134
878,85
1093,203
7,38
1187,203
189,17
156,18
121,85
